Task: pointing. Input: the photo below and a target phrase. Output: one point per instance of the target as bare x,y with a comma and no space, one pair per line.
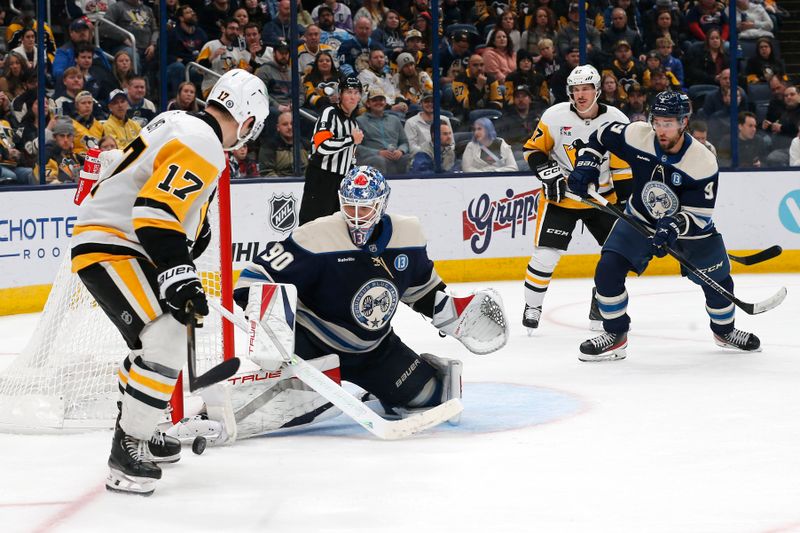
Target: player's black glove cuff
667,231
179,285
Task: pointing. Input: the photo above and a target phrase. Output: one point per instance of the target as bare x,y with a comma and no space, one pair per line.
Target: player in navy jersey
352,269
674,191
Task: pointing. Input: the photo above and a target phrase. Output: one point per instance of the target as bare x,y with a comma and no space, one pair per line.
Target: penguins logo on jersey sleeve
374,304
659,199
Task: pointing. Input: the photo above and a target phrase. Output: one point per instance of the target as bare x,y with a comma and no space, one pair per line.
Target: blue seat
761,112
759,92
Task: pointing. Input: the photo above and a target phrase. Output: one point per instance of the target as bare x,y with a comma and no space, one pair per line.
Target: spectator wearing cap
330,34
418,127
672,64
62,165
625,67
321,84
277,77
415,45
118,125
342,16
354,53
542,26
705,63
184,43
374,10
558,81
142,110
65,96
535,83
80,31
279,28
620,31
385,145
454,56
520,119
499,55
570,31
276,154
411,83
224,54
137,18
474,90
704,15
377,75
213,14
88,130
388,33
635,105
487,152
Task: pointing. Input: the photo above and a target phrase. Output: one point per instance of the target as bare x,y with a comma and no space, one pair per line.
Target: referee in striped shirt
333,148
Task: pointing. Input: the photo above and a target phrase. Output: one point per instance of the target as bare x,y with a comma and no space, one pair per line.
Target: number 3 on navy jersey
195,183
278,258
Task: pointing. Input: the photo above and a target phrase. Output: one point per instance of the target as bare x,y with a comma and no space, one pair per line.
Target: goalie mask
243,96
363,194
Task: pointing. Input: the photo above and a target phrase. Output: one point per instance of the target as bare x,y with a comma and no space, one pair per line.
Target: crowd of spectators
501,65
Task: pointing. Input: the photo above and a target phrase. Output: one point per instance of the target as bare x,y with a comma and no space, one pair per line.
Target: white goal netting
65,378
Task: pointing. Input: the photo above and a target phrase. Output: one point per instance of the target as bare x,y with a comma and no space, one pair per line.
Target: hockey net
66,377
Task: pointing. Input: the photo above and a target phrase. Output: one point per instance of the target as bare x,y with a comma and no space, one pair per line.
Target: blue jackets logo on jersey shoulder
401,262
374,304
659,200
282,212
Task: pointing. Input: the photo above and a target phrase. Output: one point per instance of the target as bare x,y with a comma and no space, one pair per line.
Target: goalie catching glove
554,183
478,321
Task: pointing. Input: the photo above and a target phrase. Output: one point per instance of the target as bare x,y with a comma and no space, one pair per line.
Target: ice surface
681,436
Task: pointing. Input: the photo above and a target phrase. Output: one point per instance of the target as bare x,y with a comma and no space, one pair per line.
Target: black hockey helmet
350,82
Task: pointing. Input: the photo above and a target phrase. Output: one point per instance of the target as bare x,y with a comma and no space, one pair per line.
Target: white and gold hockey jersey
153,195
561,132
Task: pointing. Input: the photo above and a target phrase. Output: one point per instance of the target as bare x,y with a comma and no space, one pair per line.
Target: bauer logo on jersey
401,262
659,199
282,213
374,304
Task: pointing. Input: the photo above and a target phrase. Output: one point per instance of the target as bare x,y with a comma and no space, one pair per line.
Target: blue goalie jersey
347,295
664,184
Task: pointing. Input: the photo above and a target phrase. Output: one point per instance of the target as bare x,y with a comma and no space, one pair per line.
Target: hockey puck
199,445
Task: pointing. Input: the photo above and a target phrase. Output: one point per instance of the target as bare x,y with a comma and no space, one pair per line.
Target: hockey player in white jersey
675,188
352,270
133,247
550,152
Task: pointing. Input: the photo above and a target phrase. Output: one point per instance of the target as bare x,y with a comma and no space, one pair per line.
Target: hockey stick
221,372
758,257
349,404
749,308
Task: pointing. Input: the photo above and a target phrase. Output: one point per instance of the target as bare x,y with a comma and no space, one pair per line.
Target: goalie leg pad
274,305
448,375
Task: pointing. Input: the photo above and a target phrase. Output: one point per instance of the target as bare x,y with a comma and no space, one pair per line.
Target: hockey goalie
346,273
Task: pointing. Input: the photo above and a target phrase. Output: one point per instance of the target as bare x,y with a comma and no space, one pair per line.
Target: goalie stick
750,308
349,404
758,257
221,372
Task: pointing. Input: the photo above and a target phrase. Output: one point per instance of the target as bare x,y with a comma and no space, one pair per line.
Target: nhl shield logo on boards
282,213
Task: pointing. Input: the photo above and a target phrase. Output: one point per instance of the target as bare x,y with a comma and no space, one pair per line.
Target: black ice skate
595,318
605,347
130,470
738,340
163,448
531,316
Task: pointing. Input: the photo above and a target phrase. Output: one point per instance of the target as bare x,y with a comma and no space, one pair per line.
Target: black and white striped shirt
332,146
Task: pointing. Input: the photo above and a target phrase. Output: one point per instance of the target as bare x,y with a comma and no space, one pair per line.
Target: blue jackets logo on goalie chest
374,304
282,213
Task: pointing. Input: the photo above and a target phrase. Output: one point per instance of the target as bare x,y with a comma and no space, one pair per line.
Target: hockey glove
667,231
478,321
587,171
554,185
179,285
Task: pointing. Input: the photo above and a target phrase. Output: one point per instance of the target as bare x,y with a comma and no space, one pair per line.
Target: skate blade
118,481
614,355
723,344
166,459
530,331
